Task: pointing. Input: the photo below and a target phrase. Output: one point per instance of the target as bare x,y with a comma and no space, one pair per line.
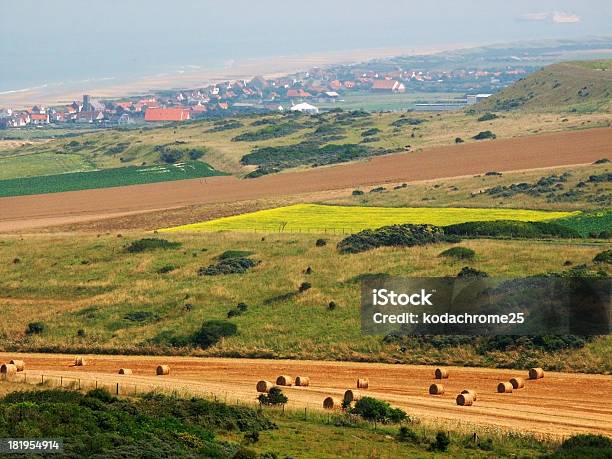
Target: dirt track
556,406
548,150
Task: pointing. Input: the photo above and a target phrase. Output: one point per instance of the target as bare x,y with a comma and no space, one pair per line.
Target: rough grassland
92,284
313,217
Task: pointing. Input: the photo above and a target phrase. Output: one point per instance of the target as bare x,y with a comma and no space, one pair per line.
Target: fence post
42,379
117,388
61,381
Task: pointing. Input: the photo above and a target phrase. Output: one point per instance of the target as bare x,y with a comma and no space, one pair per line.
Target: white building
305,108
475,98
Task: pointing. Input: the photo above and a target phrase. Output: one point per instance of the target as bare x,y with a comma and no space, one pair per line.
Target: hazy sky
55,40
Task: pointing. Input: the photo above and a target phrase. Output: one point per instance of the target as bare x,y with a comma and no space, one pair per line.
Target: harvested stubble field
350,219
556,406
547,150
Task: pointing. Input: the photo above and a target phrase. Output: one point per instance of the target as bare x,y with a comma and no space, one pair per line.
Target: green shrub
35,328
357,193
488,117
245,453
147,244
583,446
406,122
470,273
274,397
234,254
407,435
603,257
166,269
459,140
304,286
441,443
212,331
140,316
374,410
321,243
370,132
511,228
482,135
392,236
460,253
238,265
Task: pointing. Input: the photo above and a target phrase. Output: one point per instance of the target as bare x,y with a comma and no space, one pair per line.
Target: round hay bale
465,400
20,364
284,380
517,383
436,389
471,392
162,370
352,396
441,373
331,403
302,381
125,371
504,388
264,386
7,370
363,383
80,361
536,373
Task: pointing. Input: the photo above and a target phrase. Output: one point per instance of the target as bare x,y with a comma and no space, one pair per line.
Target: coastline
271,67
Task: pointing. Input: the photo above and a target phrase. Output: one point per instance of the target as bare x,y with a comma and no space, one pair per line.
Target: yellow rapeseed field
348,219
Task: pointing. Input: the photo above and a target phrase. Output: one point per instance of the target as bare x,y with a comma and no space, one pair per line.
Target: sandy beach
236,70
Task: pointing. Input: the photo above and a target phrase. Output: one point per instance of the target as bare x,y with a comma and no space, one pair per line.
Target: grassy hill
581,86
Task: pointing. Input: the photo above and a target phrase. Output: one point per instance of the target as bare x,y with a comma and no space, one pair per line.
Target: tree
274,397
213,330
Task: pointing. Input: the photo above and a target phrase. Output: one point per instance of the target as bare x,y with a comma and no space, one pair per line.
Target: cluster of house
297,92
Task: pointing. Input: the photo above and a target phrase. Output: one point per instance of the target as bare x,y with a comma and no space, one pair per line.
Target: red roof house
167,114
388,85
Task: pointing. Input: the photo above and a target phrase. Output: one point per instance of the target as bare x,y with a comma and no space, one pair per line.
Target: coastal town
308,92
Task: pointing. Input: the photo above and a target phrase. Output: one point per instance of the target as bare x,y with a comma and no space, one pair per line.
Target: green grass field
349,219
46,163
589,223
120,176
123,304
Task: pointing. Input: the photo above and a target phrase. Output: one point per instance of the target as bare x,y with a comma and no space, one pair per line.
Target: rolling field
92,295
556,406
542,151
350,219
106,178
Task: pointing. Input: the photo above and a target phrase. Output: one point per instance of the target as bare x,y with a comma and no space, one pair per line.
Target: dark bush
603,257
321,243
357,193
144,245
511,228
304,286
212,331
459,140
460,253
274,397
441,443
35,328
482,135
378,189
166,269
370,132
584,446
406,122
407,435
372,409
230,266
234,254
470,273
488,117
392,236
140,316
332,305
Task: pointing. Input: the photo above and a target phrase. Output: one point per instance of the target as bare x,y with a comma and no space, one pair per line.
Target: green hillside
583,87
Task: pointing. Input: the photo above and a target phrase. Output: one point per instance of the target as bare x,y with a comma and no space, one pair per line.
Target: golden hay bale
517,383
441,373
8,369
352,396
284,380
302,381
465,400
471,392
20,364
436,389
504,388
162,370
79,361
331,403
125,371
536,373
264,386
363,383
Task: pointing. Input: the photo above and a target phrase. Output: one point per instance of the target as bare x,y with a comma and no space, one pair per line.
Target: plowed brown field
556,406
548,150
